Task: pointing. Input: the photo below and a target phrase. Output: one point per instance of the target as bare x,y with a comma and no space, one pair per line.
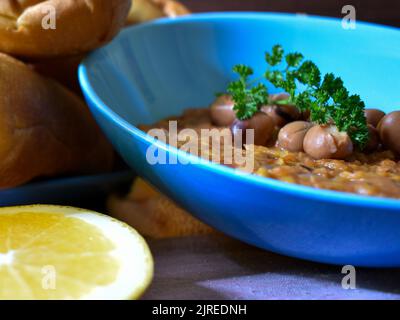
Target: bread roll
146,10
154,215
45,130
81,25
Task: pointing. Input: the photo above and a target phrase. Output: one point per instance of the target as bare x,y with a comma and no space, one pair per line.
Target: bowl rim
243,15
312,193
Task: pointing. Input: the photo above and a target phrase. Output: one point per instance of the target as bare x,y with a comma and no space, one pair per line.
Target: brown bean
374,116
281,114
326,142
262,124
221,111
305,115
292,135
374,141
278,96
389,131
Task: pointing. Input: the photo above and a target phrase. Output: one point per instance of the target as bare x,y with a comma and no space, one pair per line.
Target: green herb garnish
328,101
248,99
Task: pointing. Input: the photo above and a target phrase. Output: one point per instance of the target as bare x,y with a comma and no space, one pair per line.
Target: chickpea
292,135
374,116
389,131
262,124
221,111
326,142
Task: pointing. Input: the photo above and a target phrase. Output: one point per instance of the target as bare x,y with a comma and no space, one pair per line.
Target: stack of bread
46,129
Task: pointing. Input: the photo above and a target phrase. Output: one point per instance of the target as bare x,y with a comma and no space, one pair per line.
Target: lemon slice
53,252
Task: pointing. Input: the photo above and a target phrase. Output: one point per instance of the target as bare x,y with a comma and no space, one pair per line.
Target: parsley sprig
328,101
248,99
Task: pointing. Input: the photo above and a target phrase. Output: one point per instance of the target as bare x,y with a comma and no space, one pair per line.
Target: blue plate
76,191
159,69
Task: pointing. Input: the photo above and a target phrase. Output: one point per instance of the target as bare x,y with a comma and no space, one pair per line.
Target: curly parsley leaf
294,59
309,74
275,57
248,99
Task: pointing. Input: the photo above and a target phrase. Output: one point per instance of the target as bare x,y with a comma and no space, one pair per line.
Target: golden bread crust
45,129
81,25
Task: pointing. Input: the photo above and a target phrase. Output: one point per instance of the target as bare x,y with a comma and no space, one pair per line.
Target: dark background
378,11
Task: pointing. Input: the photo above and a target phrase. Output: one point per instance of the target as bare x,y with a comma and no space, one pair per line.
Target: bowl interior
159,69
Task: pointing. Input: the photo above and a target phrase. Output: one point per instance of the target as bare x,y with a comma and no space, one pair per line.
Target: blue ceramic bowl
159,69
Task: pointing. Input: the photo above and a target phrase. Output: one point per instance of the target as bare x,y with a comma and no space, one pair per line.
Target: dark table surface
217,267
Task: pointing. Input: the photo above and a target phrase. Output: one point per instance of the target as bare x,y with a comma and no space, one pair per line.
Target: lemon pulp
49,252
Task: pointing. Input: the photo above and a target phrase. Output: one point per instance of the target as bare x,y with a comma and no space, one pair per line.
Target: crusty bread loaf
45,130
146,10
81,25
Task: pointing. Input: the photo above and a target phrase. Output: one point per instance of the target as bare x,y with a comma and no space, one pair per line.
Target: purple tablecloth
216,267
